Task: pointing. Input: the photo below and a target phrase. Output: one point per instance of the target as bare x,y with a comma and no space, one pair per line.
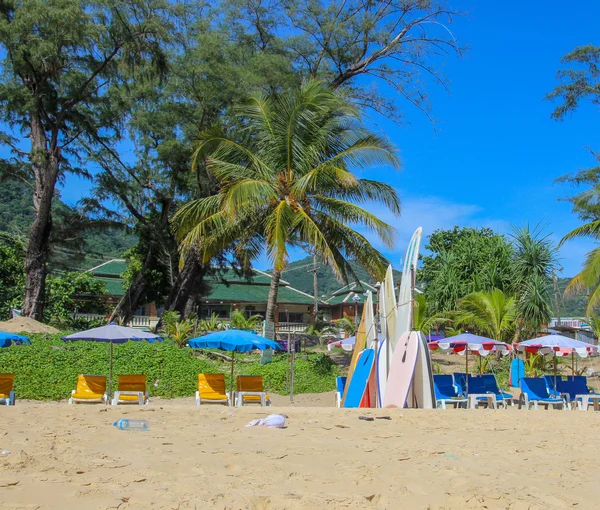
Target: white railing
137,321
291,327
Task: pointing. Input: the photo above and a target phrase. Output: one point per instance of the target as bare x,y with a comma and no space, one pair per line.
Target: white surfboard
422,393
387,310
402,371
370,324
404,295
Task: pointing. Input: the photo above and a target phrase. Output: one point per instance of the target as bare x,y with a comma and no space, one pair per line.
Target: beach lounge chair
446,392
250,390
575,389
460,382
491,384
479,394
549,380
534,392
90,388
131,390
211,390
7,394
340,384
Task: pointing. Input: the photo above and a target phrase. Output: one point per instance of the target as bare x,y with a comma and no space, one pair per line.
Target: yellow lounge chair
250,390
131,390
90,388
7,395
211,390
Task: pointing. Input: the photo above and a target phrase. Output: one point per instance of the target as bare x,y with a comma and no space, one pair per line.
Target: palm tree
534,261
490,313
240,321
423,321
286,180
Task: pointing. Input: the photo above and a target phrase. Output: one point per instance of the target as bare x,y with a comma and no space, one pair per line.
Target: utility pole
556,300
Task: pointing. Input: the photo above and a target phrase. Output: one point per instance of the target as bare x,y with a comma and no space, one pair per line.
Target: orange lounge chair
90,388
211,390
131,390
250,390
7,395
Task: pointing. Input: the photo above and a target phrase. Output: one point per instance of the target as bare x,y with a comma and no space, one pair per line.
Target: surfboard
387,322
402,370
517,372
404,295
360,377
422,393
359,345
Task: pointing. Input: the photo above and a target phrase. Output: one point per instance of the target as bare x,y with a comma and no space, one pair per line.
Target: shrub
48,369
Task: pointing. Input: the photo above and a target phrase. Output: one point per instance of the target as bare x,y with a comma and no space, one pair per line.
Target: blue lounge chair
446,393
534,392
575,389
460,381
477,387
549,380
489,380
340,384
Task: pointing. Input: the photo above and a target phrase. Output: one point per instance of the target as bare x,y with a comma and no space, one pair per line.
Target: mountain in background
571,305
76,242
299,274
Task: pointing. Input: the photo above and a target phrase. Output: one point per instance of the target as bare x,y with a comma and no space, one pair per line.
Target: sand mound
26,325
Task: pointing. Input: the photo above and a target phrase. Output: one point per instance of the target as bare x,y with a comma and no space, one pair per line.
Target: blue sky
494,153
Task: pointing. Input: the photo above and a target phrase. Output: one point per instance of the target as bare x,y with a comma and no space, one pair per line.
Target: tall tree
288,180
534,261
61,61
464,260
579,82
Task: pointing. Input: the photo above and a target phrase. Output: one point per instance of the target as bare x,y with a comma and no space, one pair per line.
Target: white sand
71,457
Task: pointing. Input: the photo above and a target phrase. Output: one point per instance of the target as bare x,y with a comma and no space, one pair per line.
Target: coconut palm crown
286,179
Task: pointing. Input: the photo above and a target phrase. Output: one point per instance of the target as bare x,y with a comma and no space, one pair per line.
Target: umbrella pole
554,371
467,369
231,382
110,372
573,363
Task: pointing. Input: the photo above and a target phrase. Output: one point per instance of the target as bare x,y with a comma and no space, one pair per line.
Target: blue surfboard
517,372
360,377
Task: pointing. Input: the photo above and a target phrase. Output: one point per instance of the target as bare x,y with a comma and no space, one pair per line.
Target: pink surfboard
402,370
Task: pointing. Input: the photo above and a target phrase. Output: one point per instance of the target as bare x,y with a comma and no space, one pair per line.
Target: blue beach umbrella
113,334
234,340
8,339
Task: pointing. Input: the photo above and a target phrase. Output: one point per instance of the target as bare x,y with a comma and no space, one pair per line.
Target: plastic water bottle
137,425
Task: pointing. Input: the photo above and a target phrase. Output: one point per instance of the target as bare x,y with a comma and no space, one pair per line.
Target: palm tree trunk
273,291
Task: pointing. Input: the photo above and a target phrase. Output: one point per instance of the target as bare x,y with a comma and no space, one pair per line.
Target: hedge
48,369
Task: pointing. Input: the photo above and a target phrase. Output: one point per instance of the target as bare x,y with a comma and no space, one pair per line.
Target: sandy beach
71,457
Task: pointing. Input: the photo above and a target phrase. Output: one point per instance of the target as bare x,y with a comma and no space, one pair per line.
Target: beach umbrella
348,343
8,339
557,345
234,340
112,334
466,343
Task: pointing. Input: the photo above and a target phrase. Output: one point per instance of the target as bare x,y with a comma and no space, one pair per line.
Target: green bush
48,369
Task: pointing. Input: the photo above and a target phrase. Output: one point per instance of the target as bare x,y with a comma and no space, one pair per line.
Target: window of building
293,317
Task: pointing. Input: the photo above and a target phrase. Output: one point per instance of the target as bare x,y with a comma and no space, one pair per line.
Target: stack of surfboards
396,371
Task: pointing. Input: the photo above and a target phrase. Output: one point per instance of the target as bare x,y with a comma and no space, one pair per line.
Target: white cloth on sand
273,420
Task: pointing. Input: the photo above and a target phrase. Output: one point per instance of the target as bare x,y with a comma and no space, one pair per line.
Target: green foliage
425,322
347,324
489,313
62,293
180,331
12,277
213,323
579,82
464,260
240,321
48,369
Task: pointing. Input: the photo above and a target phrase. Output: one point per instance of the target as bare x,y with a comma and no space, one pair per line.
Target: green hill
76,241
300,275
571,305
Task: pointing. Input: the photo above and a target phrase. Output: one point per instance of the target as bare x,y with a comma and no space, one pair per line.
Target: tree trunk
130,301
45,170
273,291
187,287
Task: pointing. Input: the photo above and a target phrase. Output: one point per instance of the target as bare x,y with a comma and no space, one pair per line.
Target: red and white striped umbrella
474,344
